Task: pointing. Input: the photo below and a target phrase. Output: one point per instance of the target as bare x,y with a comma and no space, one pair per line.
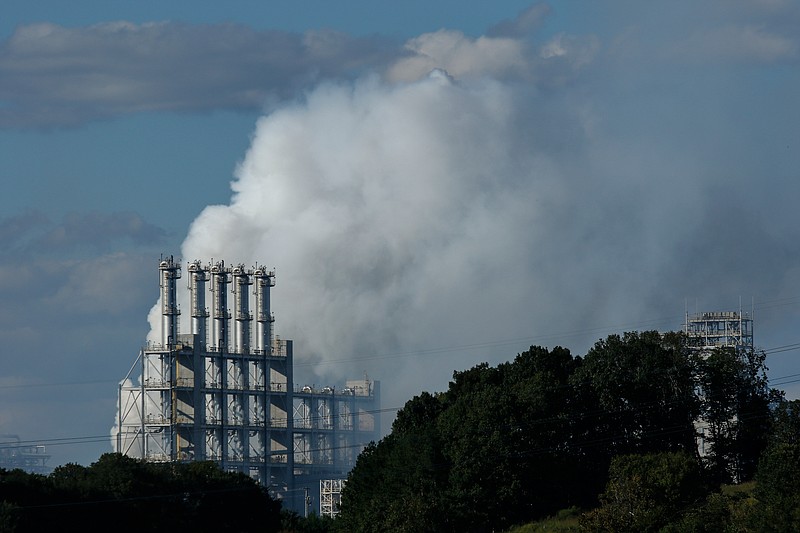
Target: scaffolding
208,395
330,496
719,329
712,330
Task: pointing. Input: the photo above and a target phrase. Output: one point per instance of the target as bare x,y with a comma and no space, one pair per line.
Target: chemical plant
228,394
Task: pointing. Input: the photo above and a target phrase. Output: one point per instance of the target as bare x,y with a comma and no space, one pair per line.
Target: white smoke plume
423,225
404,218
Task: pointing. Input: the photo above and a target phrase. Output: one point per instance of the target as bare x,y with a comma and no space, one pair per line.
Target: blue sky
437,184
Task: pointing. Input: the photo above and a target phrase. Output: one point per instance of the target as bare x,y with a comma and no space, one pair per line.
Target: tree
777,490
125,494
506,432
647,492
489,452
637,396
399,484
736,401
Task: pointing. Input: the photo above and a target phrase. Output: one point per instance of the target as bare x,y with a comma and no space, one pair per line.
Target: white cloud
741,44
460,56
53,75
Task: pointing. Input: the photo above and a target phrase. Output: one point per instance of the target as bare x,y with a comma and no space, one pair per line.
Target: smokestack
264,280
197,287
219,289
242,317
169,271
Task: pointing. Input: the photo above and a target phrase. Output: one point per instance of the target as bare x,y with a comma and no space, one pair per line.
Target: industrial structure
15,453
720,329
330,496
227,394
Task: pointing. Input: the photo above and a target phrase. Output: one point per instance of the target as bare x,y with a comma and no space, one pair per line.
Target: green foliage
124,494
509,444
291,522
643,385
646,492
777,494
565,521
736,408
721,512
9,516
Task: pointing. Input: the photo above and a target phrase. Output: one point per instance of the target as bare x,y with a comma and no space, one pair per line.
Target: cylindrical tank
197,287
219,290
242,318
264,279
169,271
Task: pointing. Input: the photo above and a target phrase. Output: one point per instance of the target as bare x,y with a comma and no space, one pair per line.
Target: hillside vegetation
546,442
613,431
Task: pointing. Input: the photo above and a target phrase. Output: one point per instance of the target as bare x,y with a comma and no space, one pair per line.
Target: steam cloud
420,225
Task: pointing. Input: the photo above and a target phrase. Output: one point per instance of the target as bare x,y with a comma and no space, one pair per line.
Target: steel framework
719,329
208,395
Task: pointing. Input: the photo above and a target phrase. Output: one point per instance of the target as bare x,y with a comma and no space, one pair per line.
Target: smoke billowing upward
420,225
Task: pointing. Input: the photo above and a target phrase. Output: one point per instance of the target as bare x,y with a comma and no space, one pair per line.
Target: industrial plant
224,391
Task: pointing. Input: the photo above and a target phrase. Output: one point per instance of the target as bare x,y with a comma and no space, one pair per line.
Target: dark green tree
777,492
647,492
637,395
399,484
736,401
126,494
506,433
490,452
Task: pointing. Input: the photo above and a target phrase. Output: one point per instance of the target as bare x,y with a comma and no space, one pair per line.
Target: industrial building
14,453
732,329
719,329
224,391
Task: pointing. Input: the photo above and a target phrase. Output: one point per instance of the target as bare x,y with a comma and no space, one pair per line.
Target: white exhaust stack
242,317
264,319
169,272
197,287
219,288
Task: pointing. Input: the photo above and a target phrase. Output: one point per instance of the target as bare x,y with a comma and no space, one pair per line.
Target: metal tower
706,331
202,397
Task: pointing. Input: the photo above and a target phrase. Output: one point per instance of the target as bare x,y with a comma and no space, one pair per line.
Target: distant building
719,329
28,457
732,329
228,395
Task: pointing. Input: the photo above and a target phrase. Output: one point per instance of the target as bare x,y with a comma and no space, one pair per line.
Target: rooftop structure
227,394
718,329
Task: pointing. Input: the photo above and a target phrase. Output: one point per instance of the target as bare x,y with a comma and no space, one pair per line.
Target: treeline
614,431
118,493
612,434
